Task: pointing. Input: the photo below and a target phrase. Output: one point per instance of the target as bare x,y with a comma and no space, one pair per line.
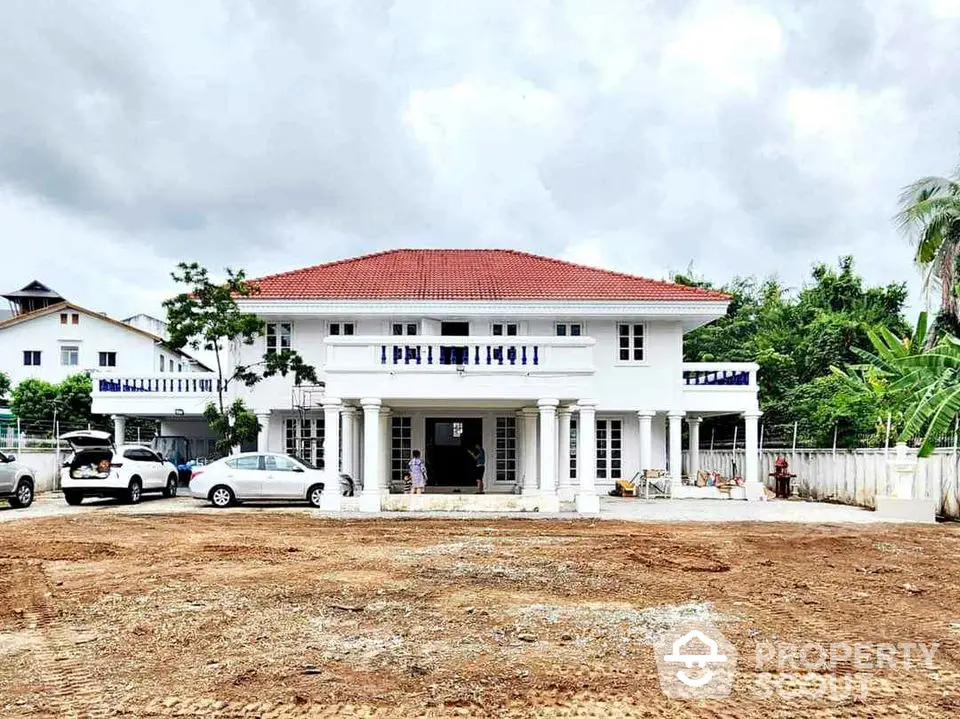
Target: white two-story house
569,377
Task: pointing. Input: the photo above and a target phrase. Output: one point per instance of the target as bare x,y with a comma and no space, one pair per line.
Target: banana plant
909,373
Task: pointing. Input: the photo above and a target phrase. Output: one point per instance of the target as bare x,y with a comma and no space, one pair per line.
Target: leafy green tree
206,316
795,338
4,387
32,402
930,216
37,402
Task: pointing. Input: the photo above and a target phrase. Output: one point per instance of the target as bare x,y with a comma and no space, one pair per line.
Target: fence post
793,452
56,456
886,442
19,437
712,431
835,439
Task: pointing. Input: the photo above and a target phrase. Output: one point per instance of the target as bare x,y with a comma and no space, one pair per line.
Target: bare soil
282,615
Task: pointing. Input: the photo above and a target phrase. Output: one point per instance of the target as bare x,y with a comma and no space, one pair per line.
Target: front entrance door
448,442
454,354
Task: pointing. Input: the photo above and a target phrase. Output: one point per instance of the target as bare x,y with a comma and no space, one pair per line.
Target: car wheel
315,495
221,497
171,489
134,491
73,498
24,496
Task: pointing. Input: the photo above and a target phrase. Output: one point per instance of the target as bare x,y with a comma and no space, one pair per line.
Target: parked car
17,482
98,469
262,475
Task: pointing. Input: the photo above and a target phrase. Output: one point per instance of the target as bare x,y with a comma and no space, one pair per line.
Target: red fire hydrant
782,477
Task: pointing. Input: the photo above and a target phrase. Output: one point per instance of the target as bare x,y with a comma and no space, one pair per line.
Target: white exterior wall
655,384
135,352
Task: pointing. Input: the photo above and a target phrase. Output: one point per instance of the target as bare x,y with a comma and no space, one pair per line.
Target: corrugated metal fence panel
850,476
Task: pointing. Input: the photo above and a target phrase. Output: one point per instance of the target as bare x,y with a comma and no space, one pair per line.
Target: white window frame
405,325
340,326
634,345
504,329
567,329
102,353
75,351
34,354
277,336
606,448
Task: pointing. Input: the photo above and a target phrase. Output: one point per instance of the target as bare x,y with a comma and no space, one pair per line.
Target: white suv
98,469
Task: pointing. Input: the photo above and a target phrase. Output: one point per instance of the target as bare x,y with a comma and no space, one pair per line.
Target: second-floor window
163,363
31,358
569,329
69,355
399,329
500,329
108,359
341,328
630,342
279,337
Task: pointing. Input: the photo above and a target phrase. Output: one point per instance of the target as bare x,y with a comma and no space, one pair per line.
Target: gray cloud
747,136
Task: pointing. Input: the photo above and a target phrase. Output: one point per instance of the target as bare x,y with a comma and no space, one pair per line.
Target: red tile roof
468,275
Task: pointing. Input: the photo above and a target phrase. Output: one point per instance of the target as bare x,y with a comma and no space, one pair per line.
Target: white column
693,427
529,456
549,501
119,429
263,438
385,450
645,417
330,499
348,417
676,448
564,486
370,498
751,465
587,500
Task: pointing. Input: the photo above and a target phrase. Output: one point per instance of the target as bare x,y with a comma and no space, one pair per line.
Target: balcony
459,367
153,394
719,386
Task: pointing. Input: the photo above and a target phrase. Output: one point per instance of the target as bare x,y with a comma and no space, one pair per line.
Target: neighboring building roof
34,289
61,306
469,275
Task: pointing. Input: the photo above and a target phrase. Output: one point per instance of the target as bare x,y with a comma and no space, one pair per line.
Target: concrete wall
851,476
44,466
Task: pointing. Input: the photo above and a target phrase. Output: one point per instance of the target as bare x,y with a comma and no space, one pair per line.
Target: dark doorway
454,354
449,463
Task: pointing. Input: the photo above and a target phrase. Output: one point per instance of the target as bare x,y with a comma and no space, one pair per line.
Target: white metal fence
850,476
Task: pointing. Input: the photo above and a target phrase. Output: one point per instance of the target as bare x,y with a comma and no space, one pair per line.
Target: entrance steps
436,502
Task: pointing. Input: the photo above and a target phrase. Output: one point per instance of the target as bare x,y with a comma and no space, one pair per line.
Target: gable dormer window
341,328
279,337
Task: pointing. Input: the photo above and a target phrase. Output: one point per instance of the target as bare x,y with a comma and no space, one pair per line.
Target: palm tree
930,216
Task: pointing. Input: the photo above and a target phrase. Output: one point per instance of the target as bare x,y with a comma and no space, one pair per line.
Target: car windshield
300,460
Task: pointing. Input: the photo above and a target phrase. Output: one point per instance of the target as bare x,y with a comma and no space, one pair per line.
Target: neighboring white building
570,377
63,339
149,323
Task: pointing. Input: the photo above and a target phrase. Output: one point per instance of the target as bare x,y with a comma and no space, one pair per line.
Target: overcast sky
743,136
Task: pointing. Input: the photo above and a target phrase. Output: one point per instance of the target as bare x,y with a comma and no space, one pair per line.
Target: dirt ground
283,615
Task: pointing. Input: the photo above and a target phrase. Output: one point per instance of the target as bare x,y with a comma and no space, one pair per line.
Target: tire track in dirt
67,678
